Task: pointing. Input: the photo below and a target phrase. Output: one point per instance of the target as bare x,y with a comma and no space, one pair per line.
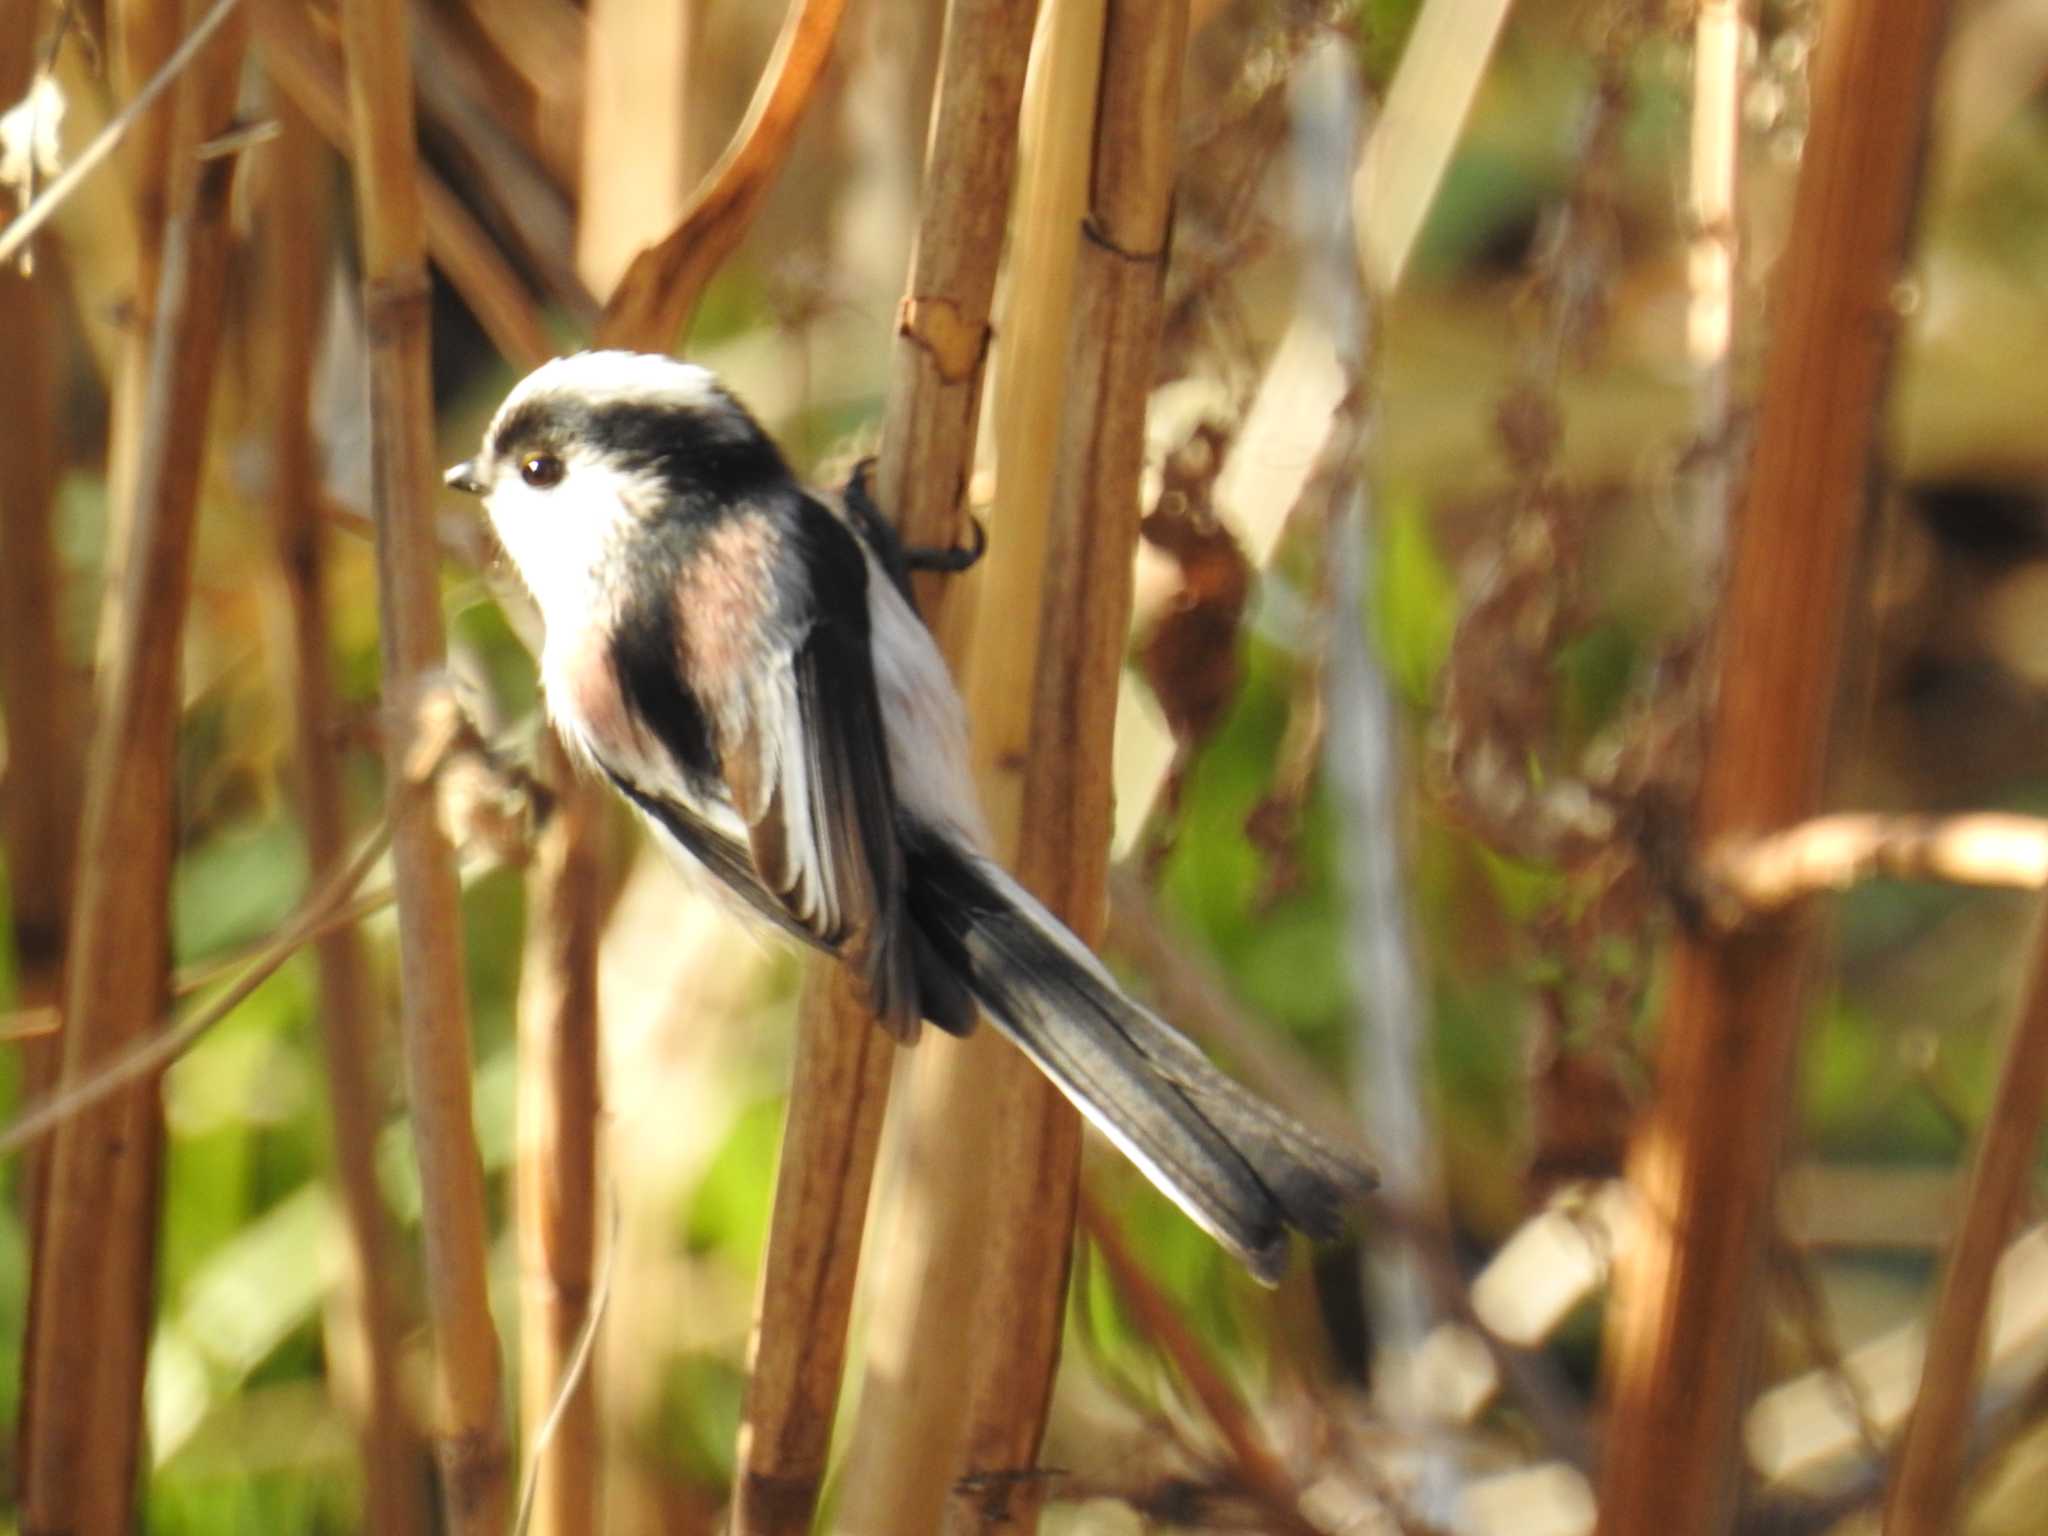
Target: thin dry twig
153,1052
32,218
470,1435
661,287
90,1297
1257,1465
575,1378
1927,1478
1747,876
1684,1329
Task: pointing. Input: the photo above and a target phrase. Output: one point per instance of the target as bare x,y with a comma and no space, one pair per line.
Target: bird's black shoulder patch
643,657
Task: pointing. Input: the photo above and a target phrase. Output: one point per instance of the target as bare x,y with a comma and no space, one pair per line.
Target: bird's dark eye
541,470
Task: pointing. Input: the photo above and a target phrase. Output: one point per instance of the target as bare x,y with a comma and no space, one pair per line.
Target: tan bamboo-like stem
936,366
636,173
144,35
1029,1185
560,1092
837,1097
434,1014
1927,1474
661,285
94,1262
307,69
297,267
1684,1330
41,704
840,1088
928,1281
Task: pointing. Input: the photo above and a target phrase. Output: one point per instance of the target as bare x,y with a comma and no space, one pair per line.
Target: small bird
740,658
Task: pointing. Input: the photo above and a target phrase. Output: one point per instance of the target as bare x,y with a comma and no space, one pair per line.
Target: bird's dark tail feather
1240,1168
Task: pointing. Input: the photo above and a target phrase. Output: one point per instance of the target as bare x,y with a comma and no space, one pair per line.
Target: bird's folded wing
803,751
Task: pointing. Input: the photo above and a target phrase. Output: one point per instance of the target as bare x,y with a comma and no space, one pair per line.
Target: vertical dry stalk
1028,1187
1927,1477
836,1101
144,34
942,325
1710,262
470,1437
36,692
95,1257
919,1375
840,1087
1684,1330
558,1152
296,263
638,162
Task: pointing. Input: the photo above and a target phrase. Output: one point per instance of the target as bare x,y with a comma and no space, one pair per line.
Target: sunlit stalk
94,1262
470,1429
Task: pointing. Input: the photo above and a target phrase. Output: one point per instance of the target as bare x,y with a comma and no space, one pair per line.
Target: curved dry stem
660,290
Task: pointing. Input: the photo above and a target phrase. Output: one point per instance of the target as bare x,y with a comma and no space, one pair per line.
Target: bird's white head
592,451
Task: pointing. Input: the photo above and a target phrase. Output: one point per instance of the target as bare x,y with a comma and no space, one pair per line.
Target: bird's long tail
1241,1169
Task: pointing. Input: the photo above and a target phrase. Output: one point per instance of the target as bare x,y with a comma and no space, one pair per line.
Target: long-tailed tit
732,653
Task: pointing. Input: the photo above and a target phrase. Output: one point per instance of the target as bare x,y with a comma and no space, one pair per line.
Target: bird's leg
897,558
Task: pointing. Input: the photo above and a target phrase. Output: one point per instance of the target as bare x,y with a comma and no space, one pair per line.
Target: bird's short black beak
463,478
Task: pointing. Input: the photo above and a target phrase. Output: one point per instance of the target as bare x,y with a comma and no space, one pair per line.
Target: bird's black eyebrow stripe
720,452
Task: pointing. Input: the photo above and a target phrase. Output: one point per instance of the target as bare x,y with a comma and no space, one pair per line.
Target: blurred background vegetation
1545,301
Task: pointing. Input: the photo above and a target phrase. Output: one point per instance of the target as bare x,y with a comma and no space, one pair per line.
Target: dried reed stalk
307,69
144,35
94,1262
558,1151
837,1097
942,1224
840,1087
636,173
37,692
936,366
470,1434
1684,1330
1067,814
297,266
1927,1474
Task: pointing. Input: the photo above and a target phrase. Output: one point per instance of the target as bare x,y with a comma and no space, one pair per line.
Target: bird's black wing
803,750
